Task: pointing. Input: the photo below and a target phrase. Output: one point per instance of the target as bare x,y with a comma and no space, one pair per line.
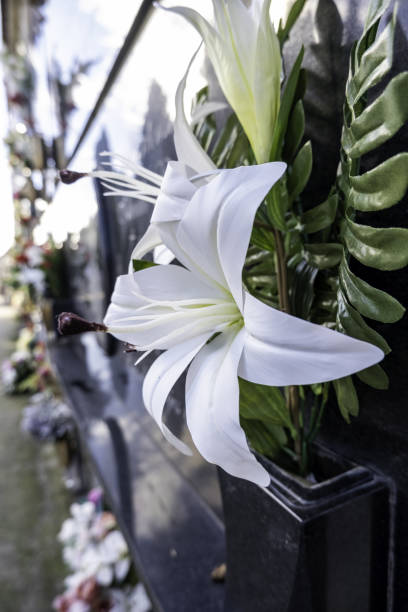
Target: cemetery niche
295,498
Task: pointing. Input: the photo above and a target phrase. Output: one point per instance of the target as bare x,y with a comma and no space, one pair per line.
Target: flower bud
70,176
70,324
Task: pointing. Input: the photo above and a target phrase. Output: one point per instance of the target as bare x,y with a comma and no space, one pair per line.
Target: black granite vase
303,547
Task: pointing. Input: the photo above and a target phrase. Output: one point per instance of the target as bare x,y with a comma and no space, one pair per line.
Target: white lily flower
180,309
135,181
245,53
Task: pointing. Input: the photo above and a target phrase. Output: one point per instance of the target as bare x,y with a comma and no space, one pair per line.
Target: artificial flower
244,50
200,315
135,181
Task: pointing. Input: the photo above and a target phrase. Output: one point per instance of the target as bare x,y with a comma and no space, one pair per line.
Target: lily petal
212,408
156,308
237,217
150,239
188,149
162,376
162,255
207,108
175,194
216,227
282,350
245,53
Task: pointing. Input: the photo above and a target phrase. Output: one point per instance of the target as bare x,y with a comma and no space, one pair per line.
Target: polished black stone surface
301,547
168,506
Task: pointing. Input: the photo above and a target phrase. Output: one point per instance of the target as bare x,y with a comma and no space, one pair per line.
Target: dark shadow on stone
327,68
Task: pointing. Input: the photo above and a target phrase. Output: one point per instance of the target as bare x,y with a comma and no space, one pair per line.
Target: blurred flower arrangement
97,555
19,78
28,369
47,418
26,271
38,270
266,311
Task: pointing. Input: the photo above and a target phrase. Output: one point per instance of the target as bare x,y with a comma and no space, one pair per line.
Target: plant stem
316,422
281,272
293,392
295,416
262,225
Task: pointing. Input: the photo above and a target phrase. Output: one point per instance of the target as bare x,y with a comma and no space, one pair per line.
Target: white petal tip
264,481
253,473
176,442
180,446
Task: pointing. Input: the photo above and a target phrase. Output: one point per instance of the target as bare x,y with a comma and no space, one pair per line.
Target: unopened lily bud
244,50
70,323
70,176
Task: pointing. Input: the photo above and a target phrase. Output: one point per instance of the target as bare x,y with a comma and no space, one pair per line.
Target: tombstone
334,547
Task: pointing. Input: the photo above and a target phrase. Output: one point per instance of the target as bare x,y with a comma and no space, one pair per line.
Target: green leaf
263,238
346,397
380,248
287,100
226,140
276,206
232,146
239,153
30,383
375,63
354,325
283,32
300,171
263,403
323,255
369,301
264,437
379,121
141,264
295,131
374,377
381,187
320,216
302,294
376,10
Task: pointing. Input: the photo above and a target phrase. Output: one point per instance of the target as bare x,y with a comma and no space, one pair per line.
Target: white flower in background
113,554
21,355
90,551
130,599
134,181
245,53
201,314
83,513
68,531
35,256
32,276
8,374
79,606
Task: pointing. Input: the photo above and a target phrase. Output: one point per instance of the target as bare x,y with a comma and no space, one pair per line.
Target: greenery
301,260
